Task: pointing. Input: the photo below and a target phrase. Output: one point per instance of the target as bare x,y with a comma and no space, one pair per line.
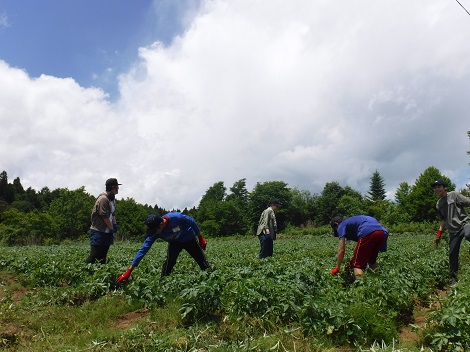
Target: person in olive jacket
267,228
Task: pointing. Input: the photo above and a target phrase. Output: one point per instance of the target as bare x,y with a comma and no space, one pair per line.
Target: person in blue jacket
181,232
371,238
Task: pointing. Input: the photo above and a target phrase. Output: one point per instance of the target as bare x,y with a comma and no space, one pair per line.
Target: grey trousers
454,248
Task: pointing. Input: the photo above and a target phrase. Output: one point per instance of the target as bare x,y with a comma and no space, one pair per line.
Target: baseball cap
152,221
438,183
276,202
334,220
112,182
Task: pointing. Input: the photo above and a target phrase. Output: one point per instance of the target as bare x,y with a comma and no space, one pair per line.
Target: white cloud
4,20
304,92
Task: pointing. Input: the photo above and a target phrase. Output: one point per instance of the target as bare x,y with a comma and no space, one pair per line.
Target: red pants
367,249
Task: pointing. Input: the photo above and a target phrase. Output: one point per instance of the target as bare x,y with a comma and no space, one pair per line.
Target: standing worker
180,231
371,238
454,218
267,228
103,223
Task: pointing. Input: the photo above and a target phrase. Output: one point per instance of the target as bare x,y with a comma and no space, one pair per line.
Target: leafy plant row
291,290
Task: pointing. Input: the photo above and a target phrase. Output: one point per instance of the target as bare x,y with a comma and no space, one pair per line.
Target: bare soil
127,320
411,335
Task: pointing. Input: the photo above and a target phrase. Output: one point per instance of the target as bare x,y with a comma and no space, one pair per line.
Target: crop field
50,300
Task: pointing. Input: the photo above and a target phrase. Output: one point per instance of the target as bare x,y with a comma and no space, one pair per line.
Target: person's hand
125,276
202,242
334,271
115,228
437,239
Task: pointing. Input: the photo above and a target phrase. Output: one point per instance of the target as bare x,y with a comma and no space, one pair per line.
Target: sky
172,96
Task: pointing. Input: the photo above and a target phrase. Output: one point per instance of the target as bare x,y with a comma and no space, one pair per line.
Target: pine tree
377,187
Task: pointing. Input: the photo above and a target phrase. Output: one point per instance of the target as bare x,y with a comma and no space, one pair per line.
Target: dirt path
127,320
411,335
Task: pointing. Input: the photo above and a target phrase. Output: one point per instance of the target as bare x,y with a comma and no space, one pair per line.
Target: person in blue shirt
371,238
181,232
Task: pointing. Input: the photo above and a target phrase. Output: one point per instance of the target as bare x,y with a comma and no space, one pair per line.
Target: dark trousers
174,250
97,254
454,248
266,246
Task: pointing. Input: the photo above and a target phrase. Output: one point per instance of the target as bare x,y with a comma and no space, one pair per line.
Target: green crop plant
286,302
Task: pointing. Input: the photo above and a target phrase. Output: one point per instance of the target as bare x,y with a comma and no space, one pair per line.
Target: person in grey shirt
454,218
103,223
267,228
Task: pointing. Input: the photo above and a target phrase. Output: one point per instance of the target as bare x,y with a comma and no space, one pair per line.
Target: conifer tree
377,187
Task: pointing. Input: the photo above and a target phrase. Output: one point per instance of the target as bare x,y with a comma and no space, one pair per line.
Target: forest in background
45,217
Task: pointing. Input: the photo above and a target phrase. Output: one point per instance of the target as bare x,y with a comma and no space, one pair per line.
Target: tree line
52,217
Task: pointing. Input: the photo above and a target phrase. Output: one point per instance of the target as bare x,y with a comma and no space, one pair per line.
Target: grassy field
50,300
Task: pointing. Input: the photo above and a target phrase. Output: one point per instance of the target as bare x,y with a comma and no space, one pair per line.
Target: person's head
334,224
154,222
112,185
275,204
439,187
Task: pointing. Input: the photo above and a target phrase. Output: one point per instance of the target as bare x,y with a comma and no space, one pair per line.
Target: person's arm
443,226
137,258
126,275
265,222
104,210
341,250
108,223
143,250
202,241
340,255
437,239
462,200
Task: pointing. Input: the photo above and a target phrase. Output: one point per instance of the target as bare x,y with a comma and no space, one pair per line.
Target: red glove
202,241
125,276
438,238
334,271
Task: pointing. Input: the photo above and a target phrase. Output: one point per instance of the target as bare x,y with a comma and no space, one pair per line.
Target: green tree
378,208
238,205
130,217
402,193
394,214
34,198
72,213
23,206
16,229
215,193
375,200
350,206
220,214
301,207
209,214
18,187
239,191
421,201
13,227
46,196
327,203
377,187
6,189
210,202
